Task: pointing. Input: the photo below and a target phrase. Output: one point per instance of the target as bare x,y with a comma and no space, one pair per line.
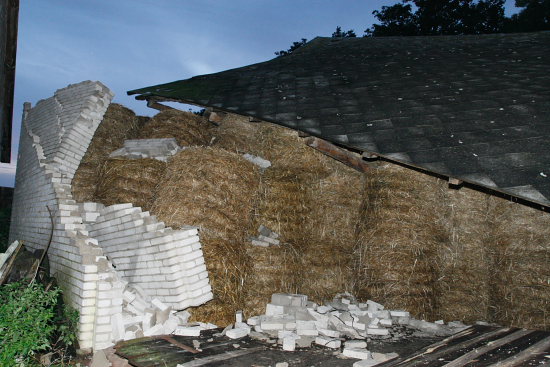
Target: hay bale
119,123
129,181
317,219
465,258
312,201
281,146
452,254
216,191
400,233
187,128
520,289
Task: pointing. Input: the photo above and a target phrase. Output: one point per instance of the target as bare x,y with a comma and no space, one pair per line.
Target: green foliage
343,34
295,45
435,17
66,323
30,323
535,16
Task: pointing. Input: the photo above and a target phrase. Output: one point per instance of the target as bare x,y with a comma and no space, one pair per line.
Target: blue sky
128,44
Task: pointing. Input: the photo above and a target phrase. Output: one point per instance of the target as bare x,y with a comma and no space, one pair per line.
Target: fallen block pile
265,238
160,149
145,316
343,324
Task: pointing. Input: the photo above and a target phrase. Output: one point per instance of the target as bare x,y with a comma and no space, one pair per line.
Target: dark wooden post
9,14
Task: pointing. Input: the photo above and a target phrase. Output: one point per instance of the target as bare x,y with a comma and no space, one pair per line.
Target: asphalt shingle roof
475,108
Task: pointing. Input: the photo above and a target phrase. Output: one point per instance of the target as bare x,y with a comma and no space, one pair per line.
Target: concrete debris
358,353
297,323
146,316
160,149
258,161
266,237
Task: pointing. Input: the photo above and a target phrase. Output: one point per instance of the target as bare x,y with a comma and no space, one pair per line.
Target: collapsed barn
393,231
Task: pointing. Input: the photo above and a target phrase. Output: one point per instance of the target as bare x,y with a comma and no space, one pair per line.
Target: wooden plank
470,356
153,103
453,353
341,155
535,355
468,344
455,338
221,357
510,349
7,269
9,14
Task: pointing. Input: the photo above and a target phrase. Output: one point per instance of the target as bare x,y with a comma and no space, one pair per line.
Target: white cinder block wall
168,264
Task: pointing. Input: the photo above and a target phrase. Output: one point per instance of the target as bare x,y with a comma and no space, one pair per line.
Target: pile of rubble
145,316
293,321
160,149
265,238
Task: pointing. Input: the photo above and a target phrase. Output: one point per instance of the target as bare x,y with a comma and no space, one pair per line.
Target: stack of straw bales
129,181
215,190
453,254
188,129
119,124
395,235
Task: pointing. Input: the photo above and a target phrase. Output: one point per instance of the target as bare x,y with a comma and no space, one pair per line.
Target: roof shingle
476,108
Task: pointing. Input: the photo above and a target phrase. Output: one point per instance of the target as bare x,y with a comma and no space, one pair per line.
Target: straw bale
521,266
187,128
452,254
398,240
281,146
395,235
129,181
317,219
216,191
119,123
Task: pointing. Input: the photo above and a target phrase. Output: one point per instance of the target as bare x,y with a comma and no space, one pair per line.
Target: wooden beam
9,265
369,155
153,103
9,16
341,155
455,181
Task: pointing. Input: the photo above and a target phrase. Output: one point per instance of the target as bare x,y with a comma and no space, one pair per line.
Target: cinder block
155,330
359,353
330,333
356,344
188,331
399,313
237,333
289,343
328,342
288,299
274,309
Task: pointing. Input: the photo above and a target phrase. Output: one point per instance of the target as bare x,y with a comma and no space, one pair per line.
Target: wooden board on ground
483,346
479,345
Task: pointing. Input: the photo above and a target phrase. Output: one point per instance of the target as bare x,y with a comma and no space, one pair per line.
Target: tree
296,45
346,34
396,19
535,16
435,17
